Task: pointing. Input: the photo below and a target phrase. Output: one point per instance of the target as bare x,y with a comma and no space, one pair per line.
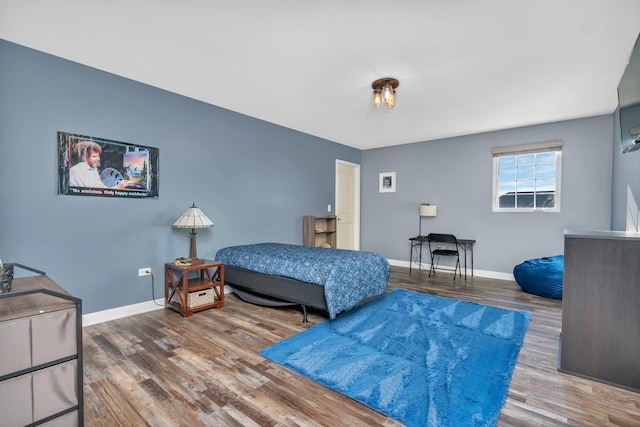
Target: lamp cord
153,292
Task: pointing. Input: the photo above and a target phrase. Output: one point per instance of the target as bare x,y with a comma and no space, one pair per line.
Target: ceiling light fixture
384,90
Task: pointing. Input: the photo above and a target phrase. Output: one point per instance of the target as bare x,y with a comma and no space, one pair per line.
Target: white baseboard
477,273
120,312
128,310
143,307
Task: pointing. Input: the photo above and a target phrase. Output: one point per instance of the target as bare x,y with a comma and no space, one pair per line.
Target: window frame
535,148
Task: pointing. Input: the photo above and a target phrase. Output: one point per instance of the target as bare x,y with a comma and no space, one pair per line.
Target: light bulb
392,100
387,92
377,98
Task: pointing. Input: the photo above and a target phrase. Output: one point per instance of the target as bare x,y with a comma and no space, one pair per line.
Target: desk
467,246
416,243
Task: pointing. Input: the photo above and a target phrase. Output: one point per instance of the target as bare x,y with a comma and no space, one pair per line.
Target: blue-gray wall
255,180
456,175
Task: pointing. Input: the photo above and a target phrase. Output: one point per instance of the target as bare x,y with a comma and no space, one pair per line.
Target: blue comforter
348,277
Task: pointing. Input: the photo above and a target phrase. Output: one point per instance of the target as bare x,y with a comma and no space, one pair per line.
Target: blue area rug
421,359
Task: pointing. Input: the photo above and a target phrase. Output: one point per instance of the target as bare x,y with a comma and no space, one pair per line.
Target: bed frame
274,291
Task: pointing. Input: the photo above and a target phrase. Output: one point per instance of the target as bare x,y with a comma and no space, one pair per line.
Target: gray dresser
40,355
601,307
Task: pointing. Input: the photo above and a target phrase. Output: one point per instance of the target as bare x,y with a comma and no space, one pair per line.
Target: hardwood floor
159,369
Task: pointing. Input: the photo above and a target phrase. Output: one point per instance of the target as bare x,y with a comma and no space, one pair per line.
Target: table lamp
426,210
193,218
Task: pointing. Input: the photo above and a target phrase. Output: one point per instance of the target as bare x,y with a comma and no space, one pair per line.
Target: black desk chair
442,245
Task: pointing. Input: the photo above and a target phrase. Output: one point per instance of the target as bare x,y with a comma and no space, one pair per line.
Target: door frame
355,201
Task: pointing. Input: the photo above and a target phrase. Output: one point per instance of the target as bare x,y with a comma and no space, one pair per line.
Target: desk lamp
193,218
426,210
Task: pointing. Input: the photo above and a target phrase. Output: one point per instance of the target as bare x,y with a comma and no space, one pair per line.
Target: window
526,178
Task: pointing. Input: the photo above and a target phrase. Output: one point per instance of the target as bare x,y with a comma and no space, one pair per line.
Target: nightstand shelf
319,231
188,289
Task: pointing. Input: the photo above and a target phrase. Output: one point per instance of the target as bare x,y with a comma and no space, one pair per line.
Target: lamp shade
428,210
193,218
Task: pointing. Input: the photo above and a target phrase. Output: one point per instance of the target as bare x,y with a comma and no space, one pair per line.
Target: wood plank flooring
159,369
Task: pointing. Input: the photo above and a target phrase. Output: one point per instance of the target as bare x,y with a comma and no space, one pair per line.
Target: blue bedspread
348,277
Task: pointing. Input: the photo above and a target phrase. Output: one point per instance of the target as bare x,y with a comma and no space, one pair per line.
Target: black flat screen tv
629,102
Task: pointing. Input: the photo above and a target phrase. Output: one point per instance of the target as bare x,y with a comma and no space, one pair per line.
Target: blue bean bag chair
541,276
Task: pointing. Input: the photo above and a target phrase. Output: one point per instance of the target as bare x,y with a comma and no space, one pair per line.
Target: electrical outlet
328,208
144,271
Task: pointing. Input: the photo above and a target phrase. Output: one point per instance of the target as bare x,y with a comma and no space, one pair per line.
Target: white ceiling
465,66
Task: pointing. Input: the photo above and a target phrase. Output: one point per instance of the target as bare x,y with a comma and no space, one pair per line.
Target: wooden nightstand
194,288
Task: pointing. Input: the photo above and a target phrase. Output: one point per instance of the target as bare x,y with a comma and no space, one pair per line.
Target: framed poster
387,182
93,166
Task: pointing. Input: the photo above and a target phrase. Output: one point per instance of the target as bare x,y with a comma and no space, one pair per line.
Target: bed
332,280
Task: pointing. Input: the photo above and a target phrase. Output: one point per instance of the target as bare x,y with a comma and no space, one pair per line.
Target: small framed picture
387,182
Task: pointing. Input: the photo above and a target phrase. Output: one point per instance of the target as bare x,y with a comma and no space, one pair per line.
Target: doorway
348,205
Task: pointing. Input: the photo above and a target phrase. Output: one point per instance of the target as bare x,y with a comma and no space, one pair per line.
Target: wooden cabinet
40,354
319,231
600,306
192,288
